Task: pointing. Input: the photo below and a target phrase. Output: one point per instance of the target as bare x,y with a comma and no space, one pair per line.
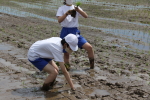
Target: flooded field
118,30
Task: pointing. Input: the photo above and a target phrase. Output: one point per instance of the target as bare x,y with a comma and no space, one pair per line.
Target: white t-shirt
50,48
69,21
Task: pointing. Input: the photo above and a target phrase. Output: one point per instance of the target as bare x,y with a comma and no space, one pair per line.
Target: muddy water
119,74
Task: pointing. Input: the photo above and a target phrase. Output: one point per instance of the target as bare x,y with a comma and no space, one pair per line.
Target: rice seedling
78,3
119,72
147,64
137,66
23,83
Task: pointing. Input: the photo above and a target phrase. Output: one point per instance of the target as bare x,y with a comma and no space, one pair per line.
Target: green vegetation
78,4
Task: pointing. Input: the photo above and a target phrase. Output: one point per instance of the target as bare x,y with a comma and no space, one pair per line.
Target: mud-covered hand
73,89
67,66
72,13
76,8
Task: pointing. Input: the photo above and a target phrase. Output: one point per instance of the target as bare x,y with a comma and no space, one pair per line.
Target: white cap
72,40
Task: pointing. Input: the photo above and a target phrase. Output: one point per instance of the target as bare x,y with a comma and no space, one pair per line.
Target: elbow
59,21
86,16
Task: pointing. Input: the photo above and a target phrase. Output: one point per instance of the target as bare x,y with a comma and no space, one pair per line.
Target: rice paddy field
118,30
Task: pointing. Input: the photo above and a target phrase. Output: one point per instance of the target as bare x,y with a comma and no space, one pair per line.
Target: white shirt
69,21
49,48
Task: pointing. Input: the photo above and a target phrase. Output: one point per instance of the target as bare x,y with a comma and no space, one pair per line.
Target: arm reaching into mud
66,74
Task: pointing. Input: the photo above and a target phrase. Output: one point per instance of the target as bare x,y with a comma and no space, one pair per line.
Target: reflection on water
5,47
78,71
6,83
130,34
98,92
19,13
15,67
116,20
36,5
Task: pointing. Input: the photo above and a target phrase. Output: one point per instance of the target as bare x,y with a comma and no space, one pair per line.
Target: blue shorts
40,63
65,31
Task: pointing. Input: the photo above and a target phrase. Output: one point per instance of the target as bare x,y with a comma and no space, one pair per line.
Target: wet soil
120,73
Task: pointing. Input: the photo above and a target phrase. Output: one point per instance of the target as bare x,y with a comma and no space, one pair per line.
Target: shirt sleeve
59,12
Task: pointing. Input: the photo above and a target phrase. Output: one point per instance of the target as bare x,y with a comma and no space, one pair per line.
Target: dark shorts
65,31
40,63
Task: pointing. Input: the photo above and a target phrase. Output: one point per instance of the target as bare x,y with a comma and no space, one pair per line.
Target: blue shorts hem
40,63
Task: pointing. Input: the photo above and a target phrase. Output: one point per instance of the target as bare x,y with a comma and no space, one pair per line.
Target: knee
55,72
89,48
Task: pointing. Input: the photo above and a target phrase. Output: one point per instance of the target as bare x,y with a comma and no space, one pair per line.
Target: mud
121,72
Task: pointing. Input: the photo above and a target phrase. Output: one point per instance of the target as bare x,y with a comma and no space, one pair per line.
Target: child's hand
72,13
73,89
76,8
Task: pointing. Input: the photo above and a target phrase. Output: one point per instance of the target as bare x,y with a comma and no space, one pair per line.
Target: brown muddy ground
119,74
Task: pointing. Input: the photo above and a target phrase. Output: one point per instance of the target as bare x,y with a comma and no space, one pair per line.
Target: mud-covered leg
48,86
45,87
91,60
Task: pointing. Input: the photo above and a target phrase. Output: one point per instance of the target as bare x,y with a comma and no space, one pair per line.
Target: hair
63,41
64,2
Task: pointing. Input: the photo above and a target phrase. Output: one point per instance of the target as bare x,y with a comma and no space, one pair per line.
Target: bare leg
90,53
53,72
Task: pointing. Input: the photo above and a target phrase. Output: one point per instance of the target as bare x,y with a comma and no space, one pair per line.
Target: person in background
43,53
67,16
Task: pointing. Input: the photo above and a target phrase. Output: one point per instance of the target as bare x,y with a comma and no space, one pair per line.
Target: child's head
68,2
71,40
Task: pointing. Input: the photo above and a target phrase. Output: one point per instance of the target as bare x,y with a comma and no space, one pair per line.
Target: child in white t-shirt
42,53
68,15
